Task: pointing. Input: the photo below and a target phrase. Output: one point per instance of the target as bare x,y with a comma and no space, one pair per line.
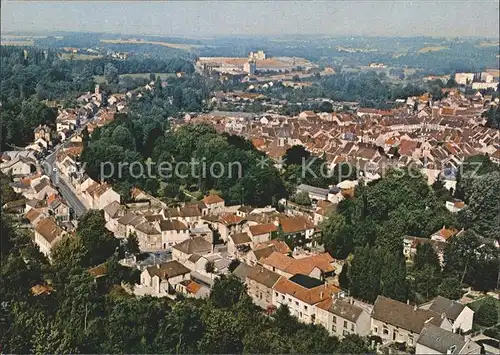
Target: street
66,192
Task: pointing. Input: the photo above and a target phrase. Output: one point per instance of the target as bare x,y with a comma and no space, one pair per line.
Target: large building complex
256,61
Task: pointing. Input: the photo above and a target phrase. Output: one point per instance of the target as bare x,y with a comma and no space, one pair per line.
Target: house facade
343,316
392,320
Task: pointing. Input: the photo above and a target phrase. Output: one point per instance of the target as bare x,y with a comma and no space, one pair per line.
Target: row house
58,208
320,266
98,196
259,281
302,294
394,321
229,224
344,316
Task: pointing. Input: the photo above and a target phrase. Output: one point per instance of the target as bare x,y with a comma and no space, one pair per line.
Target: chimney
415,308
407,301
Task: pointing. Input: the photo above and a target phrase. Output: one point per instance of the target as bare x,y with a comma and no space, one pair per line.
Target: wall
421,350
401,335
304,312
261,294
464,320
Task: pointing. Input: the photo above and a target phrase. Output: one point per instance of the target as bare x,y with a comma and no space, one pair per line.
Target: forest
372,226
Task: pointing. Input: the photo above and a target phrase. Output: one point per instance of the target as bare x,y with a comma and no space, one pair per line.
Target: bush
488,313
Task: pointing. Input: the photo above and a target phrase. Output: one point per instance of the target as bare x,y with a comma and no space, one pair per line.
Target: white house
261,233
342,316
190,246
214,203
229,223
301,294
460,316
435,340
173,232
162,279
396,321
47,233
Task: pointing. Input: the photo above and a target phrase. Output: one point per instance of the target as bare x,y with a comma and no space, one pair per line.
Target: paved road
69,195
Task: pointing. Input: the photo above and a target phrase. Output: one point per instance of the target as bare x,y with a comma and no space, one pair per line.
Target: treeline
370,89
77,314
141,65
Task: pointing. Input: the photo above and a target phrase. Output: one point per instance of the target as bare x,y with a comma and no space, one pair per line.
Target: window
334,328
305,307
385,331
276,294
289,300
334,319
300,314
375,330
296,303
410,339
345,324
352,327
282,297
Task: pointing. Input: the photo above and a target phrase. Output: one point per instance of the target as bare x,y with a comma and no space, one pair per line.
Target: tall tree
450,288
426,256
336,238
393,277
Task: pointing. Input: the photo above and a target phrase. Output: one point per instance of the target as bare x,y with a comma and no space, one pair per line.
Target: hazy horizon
198,19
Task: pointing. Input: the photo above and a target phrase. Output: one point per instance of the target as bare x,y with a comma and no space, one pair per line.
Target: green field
78,56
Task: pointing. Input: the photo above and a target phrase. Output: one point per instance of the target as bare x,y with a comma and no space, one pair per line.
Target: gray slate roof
194,245
346,310
403,315
452,309
263,276
440,340
168,270
241,271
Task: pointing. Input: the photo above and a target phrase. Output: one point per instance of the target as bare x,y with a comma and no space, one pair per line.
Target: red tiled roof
310,296
263,228
295,224
229,219
212,199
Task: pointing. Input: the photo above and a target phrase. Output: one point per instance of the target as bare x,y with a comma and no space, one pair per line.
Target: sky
201,19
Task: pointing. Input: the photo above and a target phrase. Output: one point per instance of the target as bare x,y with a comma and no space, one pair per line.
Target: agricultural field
186,47
79,56
432,49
